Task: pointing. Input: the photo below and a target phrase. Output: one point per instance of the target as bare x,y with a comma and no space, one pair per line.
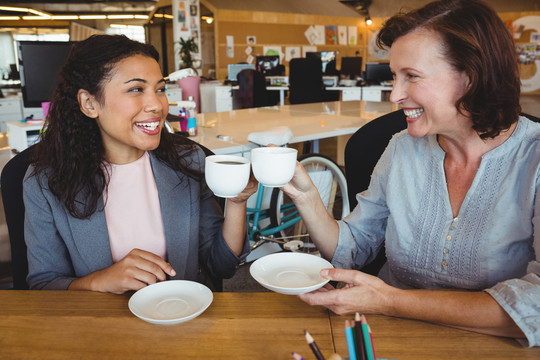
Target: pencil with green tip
370,353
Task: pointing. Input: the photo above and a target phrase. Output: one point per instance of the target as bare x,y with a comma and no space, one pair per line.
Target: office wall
275,29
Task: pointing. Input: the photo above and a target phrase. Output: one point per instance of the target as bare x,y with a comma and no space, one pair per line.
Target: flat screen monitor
328,59
377,73
266,65
351,67
234,69
39,63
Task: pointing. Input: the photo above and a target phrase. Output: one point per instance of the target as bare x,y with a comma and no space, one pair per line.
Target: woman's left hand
362,293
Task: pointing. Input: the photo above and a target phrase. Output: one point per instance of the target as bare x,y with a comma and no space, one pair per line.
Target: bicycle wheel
332,186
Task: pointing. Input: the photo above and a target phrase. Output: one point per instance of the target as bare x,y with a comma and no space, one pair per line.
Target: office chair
11,181
305,81
252,92
362,153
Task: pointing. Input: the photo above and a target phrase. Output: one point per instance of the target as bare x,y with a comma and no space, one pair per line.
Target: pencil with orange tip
313,346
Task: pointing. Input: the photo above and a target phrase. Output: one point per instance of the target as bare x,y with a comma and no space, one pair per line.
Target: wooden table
88,325
75,325
402,339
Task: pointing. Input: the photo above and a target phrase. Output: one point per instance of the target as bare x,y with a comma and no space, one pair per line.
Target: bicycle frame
255,215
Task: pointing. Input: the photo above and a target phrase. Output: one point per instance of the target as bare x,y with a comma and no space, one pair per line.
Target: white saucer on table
290,273
170,302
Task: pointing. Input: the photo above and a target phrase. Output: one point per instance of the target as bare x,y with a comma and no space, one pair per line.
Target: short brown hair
477,42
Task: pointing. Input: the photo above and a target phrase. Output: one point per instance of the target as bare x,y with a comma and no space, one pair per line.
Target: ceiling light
65,17
368,20
39,13
36,18
142,17
10,18
124,16
167,16
92,17
12,8
208,19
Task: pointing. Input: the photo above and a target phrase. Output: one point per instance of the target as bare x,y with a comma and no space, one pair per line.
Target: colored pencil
367,339
372,345
361,349
313,346
350,340
297,356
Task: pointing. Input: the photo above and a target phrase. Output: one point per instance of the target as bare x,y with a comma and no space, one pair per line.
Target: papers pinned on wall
353,35
306,49
230,46
292,52
342,35
315,34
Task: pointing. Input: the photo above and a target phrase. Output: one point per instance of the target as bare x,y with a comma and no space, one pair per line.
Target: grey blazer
62,248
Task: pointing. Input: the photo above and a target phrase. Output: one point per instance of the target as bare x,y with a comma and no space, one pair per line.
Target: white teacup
226,175
273,166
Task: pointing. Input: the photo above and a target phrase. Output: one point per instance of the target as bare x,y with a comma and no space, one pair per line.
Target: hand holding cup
273,166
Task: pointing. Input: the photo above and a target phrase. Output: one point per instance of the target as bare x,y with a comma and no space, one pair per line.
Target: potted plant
187,47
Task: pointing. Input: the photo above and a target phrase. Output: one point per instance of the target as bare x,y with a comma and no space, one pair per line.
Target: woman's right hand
300,184
136,270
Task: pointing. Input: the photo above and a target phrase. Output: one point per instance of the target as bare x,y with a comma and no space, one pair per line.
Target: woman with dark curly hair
454,198
113,201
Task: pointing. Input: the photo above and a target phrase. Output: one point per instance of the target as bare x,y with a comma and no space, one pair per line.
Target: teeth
413,113
148,125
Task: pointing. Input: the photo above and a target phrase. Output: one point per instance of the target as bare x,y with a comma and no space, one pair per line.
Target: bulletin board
526,32
241,41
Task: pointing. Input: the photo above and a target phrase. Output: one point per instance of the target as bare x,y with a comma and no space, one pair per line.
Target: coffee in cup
273,166
226,175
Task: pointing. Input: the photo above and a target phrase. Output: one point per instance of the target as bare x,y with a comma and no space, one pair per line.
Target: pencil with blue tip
350,340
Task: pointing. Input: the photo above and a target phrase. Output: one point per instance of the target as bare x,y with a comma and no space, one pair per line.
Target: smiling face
426,86
132,110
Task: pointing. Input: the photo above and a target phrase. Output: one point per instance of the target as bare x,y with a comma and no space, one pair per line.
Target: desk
78,324
224,94
307,122
72,325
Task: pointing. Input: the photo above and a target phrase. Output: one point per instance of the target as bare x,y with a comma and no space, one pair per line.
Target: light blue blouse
493,244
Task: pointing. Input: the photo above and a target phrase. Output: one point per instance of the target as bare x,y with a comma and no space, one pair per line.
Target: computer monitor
266,65
39,63
351,67
377,73
234,69
328,59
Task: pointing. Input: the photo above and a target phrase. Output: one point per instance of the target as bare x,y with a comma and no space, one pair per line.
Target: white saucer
170,302
290,273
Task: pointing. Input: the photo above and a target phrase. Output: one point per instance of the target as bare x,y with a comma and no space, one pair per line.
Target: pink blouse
133,211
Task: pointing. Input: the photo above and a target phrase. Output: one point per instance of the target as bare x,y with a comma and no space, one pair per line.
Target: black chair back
12,198
305,80
252,89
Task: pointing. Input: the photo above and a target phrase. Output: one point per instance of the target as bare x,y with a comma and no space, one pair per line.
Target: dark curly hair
477,42
70,153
